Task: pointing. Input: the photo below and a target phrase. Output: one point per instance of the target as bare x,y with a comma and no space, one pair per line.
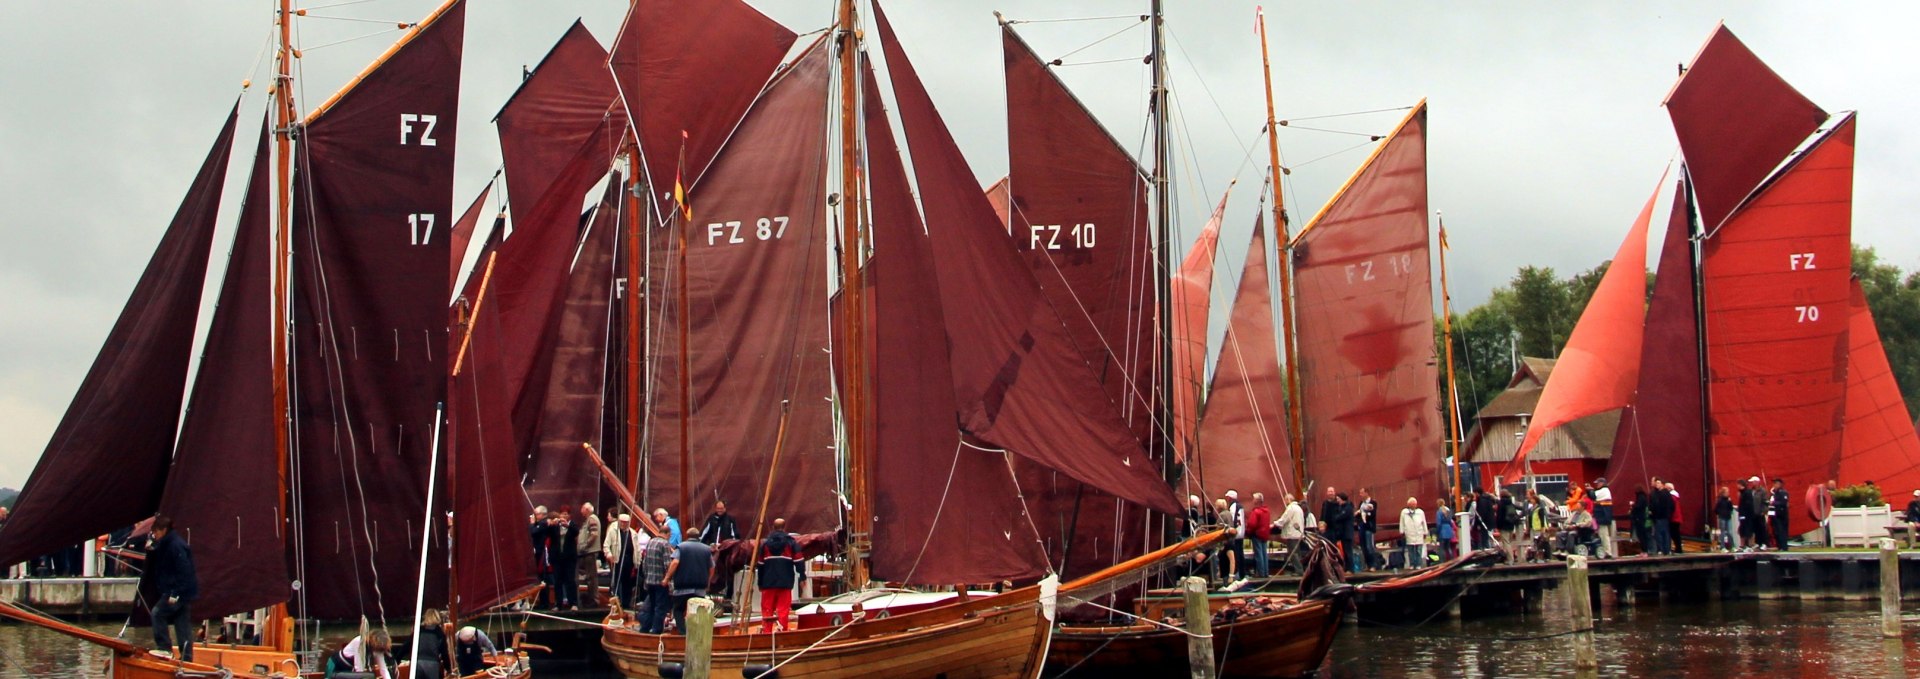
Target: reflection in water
1788,638
1736,638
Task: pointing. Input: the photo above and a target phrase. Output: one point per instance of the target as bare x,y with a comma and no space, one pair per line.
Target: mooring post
1889,589
1580,605
1199,628
699,664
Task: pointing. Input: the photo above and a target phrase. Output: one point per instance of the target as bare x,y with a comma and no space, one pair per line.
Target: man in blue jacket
170,573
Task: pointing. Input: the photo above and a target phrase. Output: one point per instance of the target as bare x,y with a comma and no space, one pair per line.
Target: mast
1446,333
285,116
1163,236
1283,249
635,340
1696,246
853,407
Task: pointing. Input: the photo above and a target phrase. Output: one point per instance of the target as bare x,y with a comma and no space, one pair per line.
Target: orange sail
1601,364
1879,443
1192,289
1243,436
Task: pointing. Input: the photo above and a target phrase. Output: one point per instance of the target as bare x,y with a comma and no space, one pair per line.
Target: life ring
1819,502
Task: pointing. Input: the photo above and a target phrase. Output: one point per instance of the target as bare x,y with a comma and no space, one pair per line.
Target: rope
1109,36
937,511
773,671
1149,621
1135,17
576,621
1343,115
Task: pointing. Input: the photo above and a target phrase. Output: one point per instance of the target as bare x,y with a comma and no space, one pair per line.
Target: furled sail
1192,292
1019,382
757,326
1775,294
1660,433
687,72
462,236
572,404
1243,435
370,333
1079,211
1364,299
930,492
1736,120
106,464
224,490
1879,444
1600,365
567,106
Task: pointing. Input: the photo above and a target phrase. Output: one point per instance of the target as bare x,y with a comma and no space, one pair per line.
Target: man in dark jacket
720,527
565,549
689,575
1485,514
171,575
780,568
1660,510
1366,522
1748,509
1777,514
540,530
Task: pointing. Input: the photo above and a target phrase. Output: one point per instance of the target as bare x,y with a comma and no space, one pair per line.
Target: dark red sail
224,491
482,465
1019,381
569,102
573,401
1660,432
462,235
106,464
1879,444
1243,436
1775,291
1736,120
692,69
1365,302
930,491
1079,212
370,336
757,332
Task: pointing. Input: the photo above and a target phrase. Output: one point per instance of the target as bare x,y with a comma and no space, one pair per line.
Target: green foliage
1861,495
1894,297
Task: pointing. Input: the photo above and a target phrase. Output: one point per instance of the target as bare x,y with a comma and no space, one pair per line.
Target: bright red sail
1879,444
1019,381
930,491
1775,291
224,489
1600,365
1736,120
106,463
757,331
692,69
1364,299
1243,436
573,402
1192,292
567,107
1079,212
370,323
1660,432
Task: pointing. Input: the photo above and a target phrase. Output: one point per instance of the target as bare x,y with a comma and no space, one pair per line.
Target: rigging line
1375,137
348,40
401,24
938,509
1026,511
1059,64
338,4
1342,115
1360,145
1135,17
775,669
1147,620
1197,77
1109,36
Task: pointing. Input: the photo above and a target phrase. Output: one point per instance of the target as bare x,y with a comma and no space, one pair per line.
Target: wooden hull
984,638
1287,643
241,661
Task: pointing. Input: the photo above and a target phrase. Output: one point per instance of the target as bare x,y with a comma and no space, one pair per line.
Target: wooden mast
1163,237
1283,249
634,337
852,403
278,634
1446,332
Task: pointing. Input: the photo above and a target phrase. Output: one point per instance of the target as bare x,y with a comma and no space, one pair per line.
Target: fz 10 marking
1047,236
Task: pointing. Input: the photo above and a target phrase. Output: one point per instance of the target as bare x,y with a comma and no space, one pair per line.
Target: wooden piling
1199,628
1580,605
699,664
1889,589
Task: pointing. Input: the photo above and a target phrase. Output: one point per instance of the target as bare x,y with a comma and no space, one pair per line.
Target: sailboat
303,474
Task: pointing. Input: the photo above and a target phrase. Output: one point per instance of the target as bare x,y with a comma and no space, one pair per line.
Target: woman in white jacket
1292,526
1413,534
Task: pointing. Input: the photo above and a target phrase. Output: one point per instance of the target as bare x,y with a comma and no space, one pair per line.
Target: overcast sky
1546,133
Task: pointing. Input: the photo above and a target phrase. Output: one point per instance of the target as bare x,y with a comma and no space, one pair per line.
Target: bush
1857,496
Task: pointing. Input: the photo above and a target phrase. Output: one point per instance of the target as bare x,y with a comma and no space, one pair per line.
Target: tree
1894,298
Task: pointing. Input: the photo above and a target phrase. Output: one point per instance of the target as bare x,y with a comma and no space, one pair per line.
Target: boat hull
1286,643
1003,636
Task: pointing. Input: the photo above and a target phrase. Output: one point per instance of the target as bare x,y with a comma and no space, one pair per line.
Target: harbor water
1772,638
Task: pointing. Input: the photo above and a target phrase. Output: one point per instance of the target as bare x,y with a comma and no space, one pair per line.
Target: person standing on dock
540,533
1235,517
1293,529
1674,524
1752,530
1777,513
171,574
566,561
780,568
1507,518
666,521
1485,517
1660,512
1603,518
1912,516
1723,520
1443,520
654,557
1366,524
589,538
1259,530
622,546
1336,524
720,527
689,575
1413,535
